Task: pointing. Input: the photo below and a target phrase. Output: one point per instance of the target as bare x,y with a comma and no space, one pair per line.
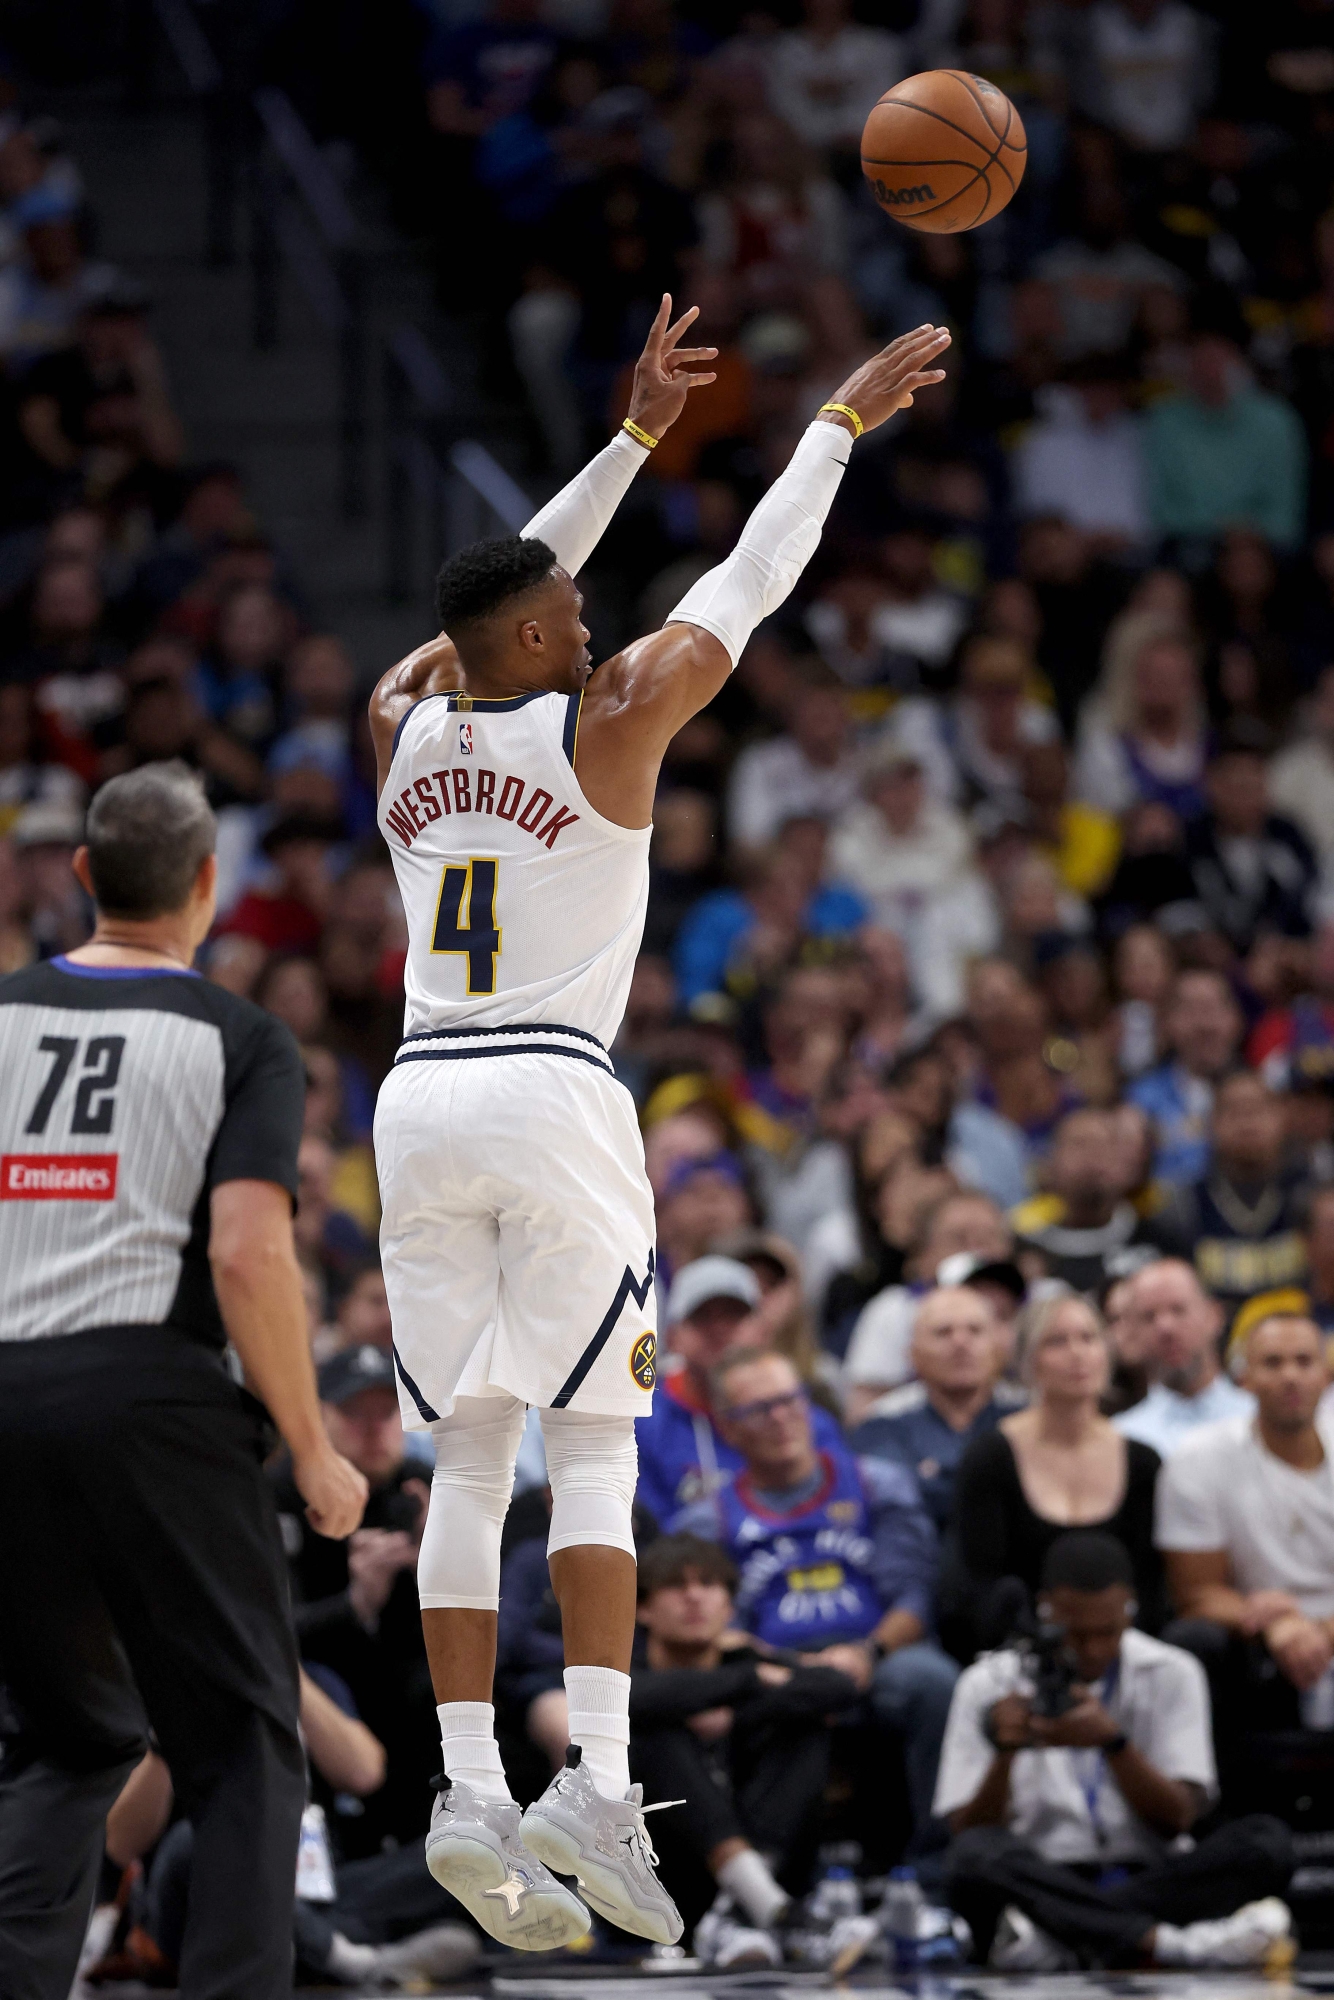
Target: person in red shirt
290,914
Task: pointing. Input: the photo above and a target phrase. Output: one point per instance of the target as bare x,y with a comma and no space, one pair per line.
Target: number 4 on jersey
479,939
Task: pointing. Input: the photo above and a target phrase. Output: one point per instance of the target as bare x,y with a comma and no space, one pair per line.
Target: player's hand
1301,1647
890,379
333,1490
664,376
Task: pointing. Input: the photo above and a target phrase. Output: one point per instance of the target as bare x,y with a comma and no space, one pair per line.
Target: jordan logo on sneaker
513,1889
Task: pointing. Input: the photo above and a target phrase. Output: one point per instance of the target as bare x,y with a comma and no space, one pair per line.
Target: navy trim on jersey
489,706
515,1028
424,1410
516,1049
62,964
629,1287
570,735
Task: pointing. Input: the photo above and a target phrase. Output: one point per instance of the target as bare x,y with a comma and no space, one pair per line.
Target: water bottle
1317,1703
314,1861
901,1916
838,1893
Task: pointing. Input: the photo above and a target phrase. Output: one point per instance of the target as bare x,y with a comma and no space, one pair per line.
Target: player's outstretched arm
574,522
636,703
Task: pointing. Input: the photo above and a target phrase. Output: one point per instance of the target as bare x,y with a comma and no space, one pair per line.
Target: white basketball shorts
517,1231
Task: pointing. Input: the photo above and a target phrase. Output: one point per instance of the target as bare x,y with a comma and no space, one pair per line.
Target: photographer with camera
1074,1758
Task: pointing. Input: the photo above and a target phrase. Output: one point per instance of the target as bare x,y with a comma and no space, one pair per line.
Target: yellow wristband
843,411
640,437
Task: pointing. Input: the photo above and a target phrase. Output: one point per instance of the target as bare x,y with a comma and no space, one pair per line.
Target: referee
149,1124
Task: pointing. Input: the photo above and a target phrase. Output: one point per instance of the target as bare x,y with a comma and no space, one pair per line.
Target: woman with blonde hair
1058,1464
1143,738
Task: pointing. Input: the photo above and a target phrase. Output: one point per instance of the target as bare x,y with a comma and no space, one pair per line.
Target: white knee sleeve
592,1463
776,544
458,1565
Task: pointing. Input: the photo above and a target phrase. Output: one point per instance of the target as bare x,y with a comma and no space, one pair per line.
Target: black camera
1042,1647
1048,1665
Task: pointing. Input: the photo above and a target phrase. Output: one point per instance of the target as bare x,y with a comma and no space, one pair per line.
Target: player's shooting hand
664,372
333,1490
890,379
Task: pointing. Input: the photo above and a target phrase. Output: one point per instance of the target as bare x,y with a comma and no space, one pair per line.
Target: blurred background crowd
991,933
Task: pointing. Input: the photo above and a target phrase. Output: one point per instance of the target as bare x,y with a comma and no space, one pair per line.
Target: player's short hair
481,579
672,1560
1088,1560
148,833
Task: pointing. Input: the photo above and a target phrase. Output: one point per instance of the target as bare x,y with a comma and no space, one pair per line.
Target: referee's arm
259,1293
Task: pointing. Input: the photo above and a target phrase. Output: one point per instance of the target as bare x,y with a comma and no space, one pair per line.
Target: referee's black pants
142,1575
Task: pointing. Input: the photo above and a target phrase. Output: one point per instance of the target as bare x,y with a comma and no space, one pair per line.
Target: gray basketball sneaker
475,1850
605,1843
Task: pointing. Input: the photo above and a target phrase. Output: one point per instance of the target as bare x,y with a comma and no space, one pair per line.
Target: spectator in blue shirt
1204,1029
683,1456
781,896
836,1557
928,1424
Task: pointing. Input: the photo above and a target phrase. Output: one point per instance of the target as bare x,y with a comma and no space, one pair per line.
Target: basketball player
516,795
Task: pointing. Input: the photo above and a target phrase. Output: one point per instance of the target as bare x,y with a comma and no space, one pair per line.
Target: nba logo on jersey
465,739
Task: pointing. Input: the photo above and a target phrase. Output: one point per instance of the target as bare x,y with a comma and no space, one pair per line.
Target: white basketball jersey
523,904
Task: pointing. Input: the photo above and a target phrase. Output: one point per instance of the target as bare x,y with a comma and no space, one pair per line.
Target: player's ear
530,636
82,872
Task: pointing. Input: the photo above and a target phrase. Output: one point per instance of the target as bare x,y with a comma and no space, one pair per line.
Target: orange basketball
944,150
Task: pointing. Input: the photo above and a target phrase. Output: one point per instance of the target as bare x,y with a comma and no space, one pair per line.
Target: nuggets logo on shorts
643,1359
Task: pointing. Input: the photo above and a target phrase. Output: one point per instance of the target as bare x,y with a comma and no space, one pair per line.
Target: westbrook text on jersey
447,793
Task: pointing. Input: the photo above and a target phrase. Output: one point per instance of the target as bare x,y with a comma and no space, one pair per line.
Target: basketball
944,151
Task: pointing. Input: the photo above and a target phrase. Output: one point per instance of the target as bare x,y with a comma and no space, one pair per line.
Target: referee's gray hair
147,834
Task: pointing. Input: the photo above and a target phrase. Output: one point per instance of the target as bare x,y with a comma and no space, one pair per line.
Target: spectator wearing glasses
836,1556
712,1308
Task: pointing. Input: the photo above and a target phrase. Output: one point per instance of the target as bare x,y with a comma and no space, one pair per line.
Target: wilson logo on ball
889,197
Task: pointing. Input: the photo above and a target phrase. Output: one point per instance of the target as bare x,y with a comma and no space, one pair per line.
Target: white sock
749,1881
468,1739
599,1701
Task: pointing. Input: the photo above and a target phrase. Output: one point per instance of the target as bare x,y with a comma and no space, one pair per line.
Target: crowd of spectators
983,1036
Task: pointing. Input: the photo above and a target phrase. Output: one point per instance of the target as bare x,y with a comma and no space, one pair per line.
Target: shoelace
639,1833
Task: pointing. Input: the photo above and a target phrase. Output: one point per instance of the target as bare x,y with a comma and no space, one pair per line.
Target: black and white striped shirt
126,1096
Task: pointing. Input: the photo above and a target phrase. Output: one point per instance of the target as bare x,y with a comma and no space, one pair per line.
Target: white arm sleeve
574,522
776,544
